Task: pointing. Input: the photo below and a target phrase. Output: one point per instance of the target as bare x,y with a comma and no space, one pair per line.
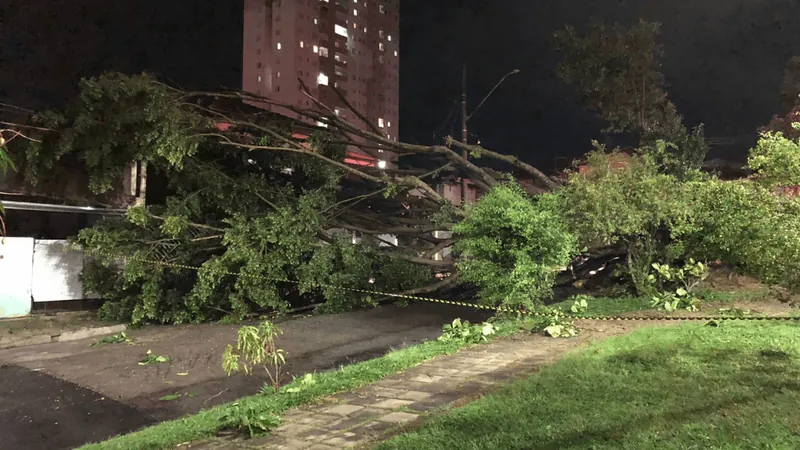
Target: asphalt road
61,395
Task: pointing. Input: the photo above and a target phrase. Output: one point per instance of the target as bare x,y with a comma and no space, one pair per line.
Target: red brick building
351,46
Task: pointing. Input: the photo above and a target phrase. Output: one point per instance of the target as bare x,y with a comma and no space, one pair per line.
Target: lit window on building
381,46
337,111
381,164
323,51
259,78
380,33
279,45
389,38
316,49
322,79
316,21
388,124
380,122
279,74
322,124
355,12
395,53
302,44
340,30
382,9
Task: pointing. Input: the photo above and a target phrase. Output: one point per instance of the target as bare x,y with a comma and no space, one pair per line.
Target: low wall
33,270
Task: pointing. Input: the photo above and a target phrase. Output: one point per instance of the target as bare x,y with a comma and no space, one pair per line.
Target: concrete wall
34,270
16,276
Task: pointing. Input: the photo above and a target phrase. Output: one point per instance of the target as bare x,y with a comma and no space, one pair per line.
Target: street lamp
465,117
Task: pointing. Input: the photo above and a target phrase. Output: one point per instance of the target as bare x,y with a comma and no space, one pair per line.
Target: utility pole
464,133
465,118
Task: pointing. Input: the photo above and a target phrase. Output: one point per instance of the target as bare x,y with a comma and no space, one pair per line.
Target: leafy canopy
511,246
616,72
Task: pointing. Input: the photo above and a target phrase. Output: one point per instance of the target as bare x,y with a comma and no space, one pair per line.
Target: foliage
250,215
653,217
512,246
744,224
151,359
248,418
306,381
550,322
635,208
115,120
790,86
114,339
677,286
559,327
776,160
616,71
466,333
580,304
360,266
255,346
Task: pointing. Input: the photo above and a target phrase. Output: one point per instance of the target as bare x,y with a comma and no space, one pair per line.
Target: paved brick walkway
378,411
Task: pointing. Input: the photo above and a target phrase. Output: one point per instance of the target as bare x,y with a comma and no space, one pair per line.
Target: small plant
249,419
559,326
551,322
113,339
256,347
307,380
466,332
171,397
151,359
677,285
580,304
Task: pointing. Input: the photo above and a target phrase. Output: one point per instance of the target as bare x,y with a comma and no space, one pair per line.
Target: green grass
601,306
207,423
743,295
685,387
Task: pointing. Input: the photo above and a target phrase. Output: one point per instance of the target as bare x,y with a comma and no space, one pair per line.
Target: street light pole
465,118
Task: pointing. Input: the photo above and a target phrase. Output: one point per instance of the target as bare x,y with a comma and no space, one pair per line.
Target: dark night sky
724,58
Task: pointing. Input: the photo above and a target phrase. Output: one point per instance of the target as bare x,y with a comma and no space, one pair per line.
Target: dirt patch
726,279
41,412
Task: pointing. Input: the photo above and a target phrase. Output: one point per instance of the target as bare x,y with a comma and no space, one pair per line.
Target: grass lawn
601,306
685,387
207,423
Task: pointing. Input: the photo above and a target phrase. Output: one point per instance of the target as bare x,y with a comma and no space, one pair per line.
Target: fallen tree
270,219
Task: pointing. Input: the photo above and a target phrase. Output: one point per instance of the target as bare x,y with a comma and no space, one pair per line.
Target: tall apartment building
349,45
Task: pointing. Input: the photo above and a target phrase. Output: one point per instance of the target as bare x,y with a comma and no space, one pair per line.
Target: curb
83,333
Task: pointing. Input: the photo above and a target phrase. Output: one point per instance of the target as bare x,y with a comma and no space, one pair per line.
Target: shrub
467,333
677,285
512,246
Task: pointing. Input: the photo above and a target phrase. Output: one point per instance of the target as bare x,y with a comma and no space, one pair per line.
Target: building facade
349,46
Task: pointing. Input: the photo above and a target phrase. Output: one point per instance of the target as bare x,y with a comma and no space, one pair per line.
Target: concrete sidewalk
60,327
401,402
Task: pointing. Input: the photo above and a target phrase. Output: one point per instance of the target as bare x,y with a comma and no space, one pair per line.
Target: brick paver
377,411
